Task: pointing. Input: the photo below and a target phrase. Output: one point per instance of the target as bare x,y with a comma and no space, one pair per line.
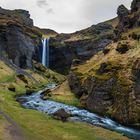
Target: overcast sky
67,15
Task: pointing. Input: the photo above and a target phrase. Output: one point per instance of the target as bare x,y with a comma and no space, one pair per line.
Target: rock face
128,19
135,6
18,40
124,21
122,12
81,45
109,82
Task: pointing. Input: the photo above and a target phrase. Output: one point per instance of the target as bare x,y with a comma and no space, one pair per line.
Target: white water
45,52
35,102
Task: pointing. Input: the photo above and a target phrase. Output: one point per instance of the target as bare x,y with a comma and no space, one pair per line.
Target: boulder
30,91
21,100
122,48
12,88
61,114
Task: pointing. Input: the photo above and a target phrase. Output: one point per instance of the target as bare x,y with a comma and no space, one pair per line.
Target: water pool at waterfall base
35,102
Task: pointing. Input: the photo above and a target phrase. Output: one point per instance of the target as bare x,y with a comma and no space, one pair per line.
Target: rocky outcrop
18,16
124,21
109,82
109,86
19,40
122,12
135,6
128,19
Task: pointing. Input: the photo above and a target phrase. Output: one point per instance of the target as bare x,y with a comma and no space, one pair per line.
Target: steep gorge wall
19,40
109,82
75,48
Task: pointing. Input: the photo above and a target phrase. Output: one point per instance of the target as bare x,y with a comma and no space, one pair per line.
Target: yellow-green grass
39,126
63,94
6,74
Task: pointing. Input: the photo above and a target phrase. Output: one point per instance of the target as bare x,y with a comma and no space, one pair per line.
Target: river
34,101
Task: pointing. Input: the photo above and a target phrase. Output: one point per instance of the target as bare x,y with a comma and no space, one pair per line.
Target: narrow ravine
35,102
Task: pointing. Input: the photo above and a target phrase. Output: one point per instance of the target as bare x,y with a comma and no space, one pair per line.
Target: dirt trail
14,131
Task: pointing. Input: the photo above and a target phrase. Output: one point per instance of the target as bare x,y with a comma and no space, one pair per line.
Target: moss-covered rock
109,83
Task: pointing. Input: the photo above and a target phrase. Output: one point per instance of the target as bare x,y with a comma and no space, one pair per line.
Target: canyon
96,69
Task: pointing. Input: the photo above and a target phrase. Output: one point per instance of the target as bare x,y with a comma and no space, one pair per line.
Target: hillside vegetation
109,82
19,123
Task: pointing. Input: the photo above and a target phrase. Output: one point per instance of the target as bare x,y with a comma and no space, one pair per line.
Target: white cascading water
45,52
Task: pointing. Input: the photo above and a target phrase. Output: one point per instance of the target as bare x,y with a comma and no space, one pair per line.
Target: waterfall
45,52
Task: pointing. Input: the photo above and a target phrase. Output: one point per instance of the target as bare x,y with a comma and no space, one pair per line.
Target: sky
66,16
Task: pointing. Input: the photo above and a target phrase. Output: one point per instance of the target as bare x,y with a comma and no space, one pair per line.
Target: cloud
42,3
67,15
50,11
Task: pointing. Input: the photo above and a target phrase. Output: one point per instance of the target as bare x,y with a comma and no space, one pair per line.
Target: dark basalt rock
20,47
122,12
21,100
29,91
61,115
12,88
100,97
75,85
106,51
124,21
103,68
136,74
135,5
123,48
25,15
18,40
135,36
127,19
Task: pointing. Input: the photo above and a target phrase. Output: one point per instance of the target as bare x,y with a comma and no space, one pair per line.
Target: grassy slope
39,126
113,57
90,32
63,94
125,63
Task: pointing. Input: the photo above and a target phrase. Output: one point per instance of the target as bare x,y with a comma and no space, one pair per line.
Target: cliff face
79,46
19,39
109,82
